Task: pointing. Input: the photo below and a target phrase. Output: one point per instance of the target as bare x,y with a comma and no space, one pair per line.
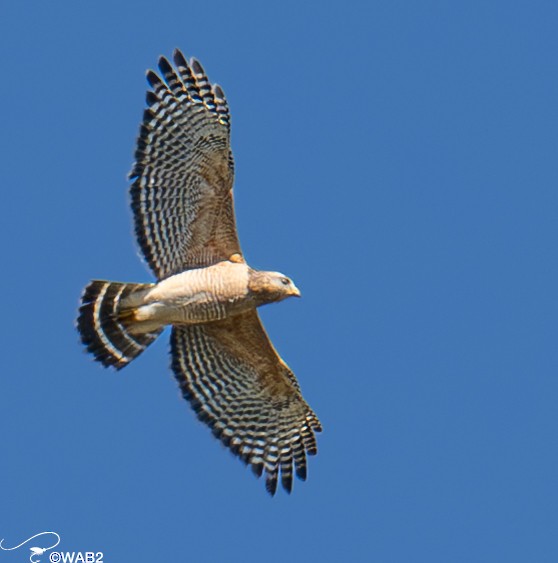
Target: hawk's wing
239,386
183,174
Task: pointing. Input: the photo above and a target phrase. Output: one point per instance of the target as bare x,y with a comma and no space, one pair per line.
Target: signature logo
35,551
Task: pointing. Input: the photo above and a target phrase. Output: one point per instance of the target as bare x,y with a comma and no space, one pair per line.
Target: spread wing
239,386
183,175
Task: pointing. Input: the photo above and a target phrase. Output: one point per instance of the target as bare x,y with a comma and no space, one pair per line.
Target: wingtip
287,483
218,91
164,64
301,472
196,66
152,78
179,58
271,483
257,469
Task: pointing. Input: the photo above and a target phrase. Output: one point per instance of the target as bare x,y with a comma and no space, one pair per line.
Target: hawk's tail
103,327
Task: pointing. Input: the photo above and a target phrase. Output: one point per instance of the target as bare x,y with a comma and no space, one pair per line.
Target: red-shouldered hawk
224,362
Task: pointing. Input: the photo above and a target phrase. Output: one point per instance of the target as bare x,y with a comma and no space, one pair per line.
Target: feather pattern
183,174
103,332
240,387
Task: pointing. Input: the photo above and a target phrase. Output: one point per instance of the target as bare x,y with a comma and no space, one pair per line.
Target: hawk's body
194,296
224,362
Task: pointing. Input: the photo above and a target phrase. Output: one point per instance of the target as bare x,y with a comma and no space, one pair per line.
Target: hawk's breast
198,296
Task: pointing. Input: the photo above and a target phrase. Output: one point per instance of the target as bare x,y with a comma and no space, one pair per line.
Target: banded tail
103,327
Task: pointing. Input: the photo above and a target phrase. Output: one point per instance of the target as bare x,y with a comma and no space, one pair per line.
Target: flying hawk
225,364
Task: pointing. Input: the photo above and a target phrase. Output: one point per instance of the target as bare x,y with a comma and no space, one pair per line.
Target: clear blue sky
399,161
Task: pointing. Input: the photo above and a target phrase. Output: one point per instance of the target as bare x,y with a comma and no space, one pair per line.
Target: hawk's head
267,287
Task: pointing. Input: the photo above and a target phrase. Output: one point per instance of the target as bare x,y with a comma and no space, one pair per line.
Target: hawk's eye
285,281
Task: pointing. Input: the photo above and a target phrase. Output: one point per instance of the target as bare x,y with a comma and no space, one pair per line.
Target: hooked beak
295,291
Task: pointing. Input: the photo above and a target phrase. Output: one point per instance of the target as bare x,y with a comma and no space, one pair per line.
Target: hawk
225,364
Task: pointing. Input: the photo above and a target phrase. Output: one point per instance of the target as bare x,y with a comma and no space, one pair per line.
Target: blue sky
399,161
